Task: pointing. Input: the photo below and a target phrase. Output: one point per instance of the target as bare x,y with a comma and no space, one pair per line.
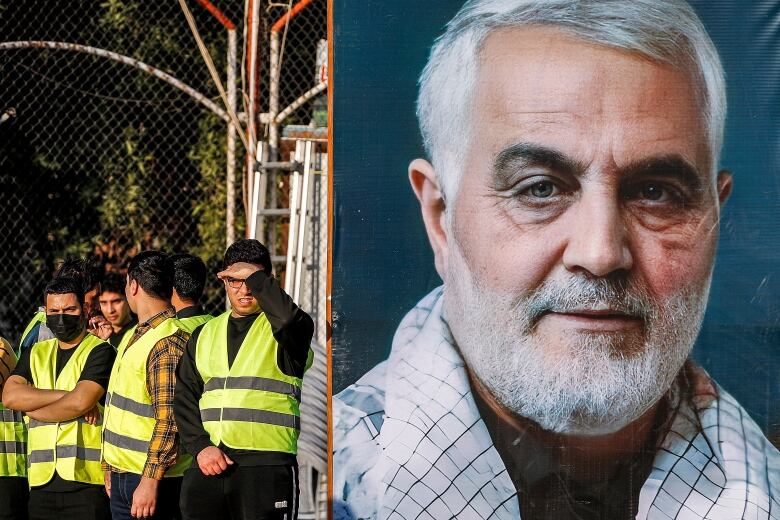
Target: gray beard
596,382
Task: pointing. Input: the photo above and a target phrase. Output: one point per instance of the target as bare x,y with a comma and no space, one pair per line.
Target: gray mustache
580,293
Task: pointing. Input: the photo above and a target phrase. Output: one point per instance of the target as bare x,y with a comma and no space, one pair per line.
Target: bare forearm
25,398
62,410
73,404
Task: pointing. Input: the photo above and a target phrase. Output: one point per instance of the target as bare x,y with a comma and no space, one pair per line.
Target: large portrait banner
556,259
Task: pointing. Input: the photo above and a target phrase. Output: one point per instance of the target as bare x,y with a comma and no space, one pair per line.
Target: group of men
88,428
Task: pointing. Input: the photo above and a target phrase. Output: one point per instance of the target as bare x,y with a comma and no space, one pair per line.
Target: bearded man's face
578,250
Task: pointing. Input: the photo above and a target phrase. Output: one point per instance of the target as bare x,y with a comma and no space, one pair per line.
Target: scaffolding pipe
254,24
297,8
306,96
230,182
126,60
269,178
273,96
216,13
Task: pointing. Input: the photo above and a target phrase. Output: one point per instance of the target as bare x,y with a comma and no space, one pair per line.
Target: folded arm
75,403
20,395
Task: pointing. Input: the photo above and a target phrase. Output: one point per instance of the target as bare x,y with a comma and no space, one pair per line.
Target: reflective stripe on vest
65,452
252,404
193,322
13,444
129,421
72,448
127,404
252,416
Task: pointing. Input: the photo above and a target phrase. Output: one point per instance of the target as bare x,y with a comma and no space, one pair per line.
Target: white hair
664,31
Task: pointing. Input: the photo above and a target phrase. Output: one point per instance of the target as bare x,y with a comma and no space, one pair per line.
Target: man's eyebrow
520,155
666,166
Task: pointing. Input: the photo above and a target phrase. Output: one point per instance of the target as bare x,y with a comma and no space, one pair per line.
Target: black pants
13,498
241,493
90,503
123,486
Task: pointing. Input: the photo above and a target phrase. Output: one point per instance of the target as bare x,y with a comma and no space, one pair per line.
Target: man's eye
653,192
542,189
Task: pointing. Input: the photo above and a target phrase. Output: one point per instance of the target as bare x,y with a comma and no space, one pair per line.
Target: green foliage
209,207
125,207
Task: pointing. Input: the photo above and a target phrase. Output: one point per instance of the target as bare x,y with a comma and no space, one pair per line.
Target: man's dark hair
248,250
189,276
153,273
88,272
113,283
64,285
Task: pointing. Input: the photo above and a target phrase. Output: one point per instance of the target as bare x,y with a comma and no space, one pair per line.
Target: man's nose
598,239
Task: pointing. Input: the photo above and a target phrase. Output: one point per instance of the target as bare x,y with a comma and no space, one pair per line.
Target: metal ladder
300,168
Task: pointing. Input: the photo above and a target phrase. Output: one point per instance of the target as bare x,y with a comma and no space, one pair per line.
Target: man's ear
133,287
725,184
432,205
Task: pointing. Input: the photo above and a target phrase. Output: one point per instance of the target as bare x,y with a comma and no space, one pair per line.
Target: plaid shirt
160,382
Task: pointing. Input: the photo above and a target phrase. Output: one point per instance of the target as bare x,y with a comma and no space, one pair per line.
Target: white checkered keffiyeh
410,444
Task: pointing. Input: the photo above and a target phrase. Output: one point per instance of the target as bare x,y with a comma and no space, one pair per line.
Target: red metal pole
216,13
297,8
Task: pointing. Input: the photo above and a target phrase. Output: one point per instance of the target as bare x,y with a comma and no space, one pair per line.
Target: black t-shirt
116,337
189,312
97,368
546,488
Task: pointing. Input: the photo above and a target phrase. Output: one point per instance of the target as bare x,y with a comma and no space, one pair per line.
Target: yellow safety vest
193,322
71,447
13,443
128,334
129,421
252,405
13,440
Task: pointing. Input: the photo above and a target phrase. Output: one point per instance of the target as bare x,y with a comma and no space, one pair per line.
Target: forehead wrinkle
530,122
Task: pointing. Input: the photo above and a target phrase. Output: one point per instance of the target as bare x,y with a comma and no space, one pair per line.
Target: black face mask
66,327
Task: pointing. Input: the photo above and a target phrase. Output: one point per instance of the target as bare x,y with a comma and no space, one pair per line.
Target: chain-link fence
100,154
113,140
293,99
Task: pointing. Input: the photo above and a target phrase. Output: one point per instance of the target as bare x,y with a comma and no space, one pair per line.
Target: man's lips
595,319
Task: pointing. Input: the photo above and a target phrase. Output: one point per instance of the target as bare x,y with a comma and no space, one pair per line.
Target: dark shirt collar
189,312
546,488
116,337
130,324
